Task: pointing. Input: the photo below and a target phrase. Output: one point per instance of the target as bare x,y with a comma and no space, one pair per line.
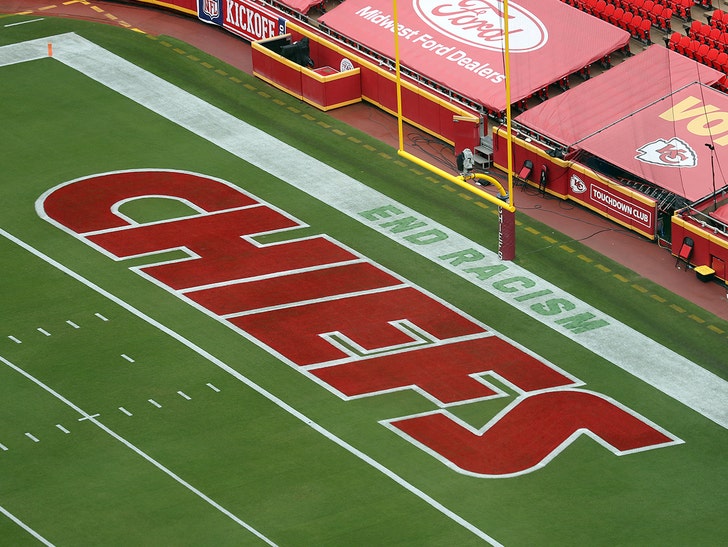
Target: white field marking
74,325
101,317
43,331
479,432
184,396
155,403
135,449
213,388
88,417
125,411
273,275
252,385
3,447
22,22
626,348
24,526
15,340
32,437
126,357
59,426
300,303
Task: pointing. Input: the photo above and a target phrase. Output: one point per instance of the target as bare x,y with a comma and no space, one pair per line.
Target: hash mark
15,340
3,447
32,437
213,388
155,403
74,325
43,331
125,356
125,411
184,395
101,317
59,426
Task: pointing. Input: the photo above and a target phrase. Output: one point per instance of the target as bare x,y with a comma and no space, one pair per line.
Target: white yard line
25,527
92,418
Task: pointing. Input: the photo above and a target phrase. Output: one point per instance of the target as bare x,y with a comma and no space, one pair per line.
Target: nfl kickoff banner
242,17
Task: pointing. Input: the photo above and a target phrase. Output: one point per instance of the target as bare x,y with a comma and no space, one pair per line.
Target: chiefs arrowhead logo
668,153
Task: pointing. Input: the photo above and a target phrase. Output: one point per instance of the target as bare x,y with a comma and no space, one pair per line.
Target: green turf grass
240,449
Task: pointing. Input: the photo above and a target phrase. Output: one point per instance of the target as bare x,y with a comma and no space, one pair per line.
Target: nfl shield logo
211,8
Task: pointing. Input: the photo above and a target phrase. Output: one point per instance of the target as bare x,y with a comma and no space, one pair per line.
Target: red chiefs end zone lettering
347,323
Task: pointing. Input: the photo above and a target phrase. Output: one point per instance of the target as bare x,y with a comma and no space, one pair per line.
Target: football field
229,319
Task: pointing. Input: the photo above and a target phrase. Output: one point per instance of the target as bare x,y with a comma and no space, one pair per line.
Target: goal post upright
504,201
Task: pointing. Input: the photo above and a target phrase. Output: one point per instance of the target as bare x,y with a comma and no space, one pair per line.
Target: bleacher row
706,43
638,17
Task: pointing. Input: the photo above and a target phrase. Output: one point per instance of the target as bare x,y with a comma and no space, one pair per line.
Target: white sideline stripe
138,451
23,22
245,380
24,526
621,345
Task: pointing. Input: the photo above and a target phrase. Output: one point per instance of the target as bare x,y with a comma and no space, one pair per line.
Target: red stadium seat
701,53
713,39
692,49
721,62
704,33
694,29
684,45
646,7
625,21
616,16
633,25
716,20
711,56
664,21
655,13
643,32
682,8
635,6
608,12
599,8
672,42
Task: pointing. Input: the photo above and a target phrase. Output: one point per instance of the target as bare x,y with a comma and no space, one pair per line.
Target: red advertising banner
242,17
613,201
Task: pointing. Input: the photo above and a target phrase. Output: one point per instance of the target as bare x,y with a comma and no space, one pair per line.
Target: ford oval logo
479,23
